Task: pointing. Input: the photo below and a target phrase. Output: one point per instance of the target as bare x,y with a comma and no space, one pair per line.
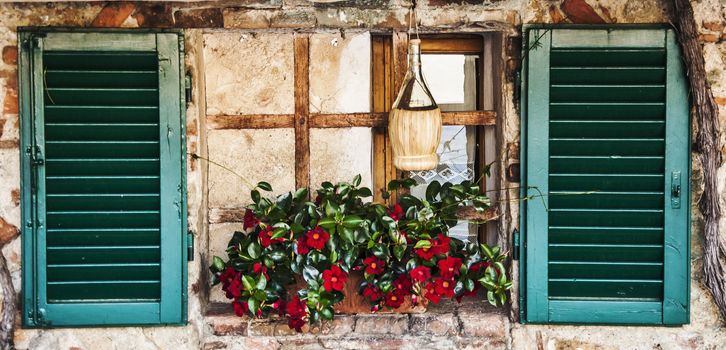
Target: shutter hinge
190,246
41,321
676,189
188,89
515,244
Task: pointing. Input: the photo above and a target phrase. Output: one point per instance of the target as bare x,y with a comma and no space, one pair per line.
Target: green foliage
300,251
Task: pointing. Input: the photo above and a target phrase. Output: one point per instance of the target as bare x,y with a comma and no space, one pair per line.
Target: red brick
709,38
15,196
10,55
114,14
716,26
10,105
555,15
7,232
579,11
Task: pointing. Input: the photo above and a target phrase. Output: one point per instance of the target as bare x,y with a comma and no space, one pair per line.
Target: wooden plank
676,287
380,102
251,121
470,213
399,62
302,110
620,38
537,118
100,41
467,46
379,120
341,120
605,312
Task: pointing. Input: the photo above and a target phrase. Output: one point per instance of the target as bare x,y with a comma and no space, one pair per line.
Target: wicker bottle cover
414,125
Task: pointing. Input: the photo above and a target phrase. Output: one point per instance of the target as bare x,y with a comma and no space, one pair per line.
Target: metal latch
515,244
676,189
190,246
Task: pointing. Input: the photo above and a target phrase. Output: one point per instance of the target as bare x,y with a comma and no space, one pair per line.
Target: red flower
266,237
233,289
228,275
250,221
425,253
396,213
296,324
449,267
316,238
372,293
302,247
260,269
394,300
240,309
402,285
374,266
431,293
482,265
420,273
444,287
296,308
279,305
441,244
334,279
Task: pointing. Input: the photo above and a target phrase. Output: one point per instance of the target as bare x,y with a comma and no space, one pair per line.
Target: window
103,193
457,70
607,150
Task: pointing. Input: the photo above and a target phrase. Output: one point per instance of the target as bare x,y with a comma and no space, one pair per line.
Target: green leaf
265,186
255,194
432,190
356,180
469,284
365,192
261,282
218,263
422,244
393,185
248,282
253,305
348,236
398,251
310,273
491,299
278,233
260,295
254,250
300,194
352,221
277,256
327,313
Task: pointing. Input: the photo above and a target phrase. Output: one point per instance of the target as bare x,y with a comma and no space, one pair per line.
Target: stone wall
229,46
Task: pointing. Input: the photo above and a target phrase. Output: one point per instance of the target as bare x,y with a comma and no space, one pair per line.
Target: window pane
452,80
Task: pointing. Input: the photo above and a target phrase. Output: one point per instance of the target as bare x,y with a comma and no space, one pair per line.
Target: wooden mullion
251,121
399,67
380,76
464,46
302,109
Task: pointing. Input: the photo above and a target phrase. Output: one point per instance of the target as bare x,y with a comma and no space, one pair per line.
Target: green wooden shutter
102,173
607,143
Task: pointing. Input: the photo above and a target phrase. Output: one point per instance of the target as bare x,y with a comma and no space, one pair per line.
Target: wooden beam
302,109
340,120
251,121
380,103
466,46
470,213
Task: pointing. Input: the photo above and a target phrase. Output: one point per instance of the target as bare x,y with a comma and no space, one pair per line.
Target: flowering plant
401,250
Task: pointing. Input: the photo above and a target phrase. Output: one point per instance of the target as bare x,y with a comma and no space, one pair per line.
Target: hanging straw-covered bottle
414,125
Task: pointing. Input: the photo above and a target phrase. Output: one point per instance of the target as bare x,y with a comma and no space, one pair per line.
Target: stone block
228,325
246,19
381,324
434,324
493,326
154,15
219,236
249,74
256,155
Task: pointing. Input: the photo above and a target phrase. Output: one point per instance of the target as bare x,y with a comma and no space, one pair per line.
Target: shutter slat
102,184
605,234
606,252
608,58
102,78
602,147
606,200
103,272
605,270
634,289
102,132
95,237
608,75
93,61
112,97
606,182
606,111
612,129
607,93
102,149
100,167
118,291
101,255
101,114
79,219
68,202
